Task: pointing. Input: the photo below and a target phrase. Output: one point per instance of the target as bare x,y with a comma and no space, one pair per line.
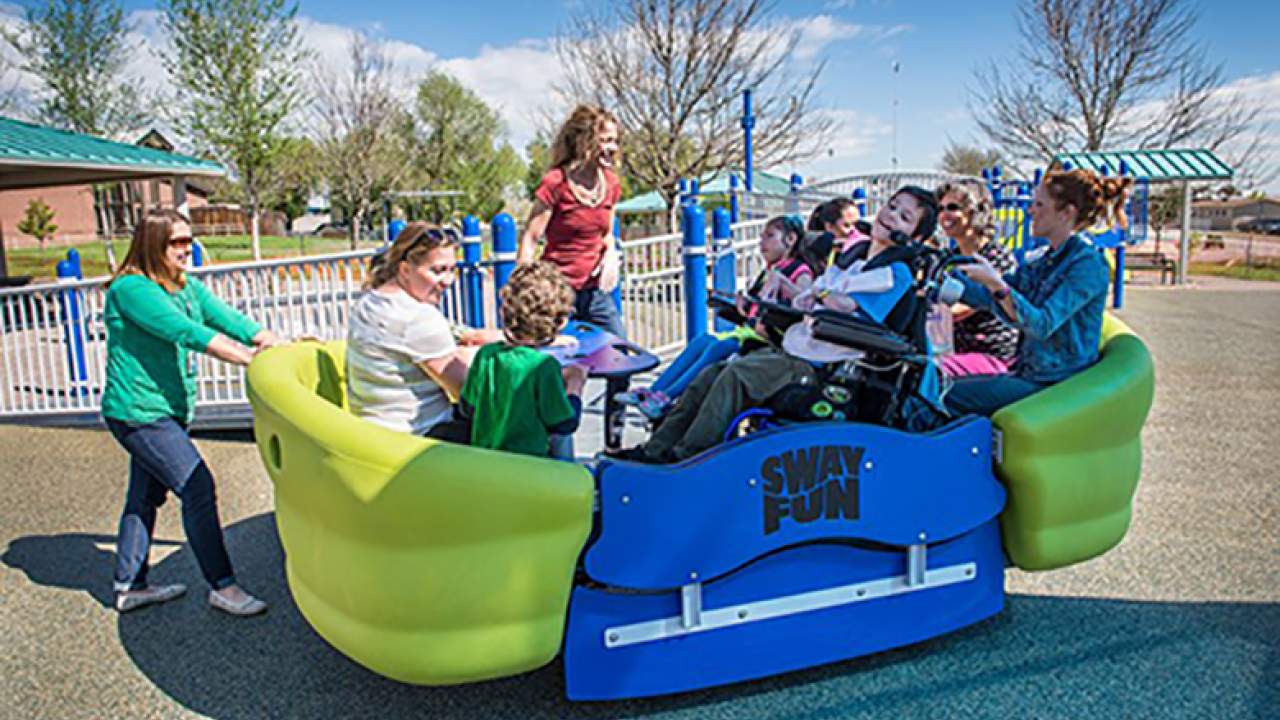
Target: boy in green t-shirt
516,396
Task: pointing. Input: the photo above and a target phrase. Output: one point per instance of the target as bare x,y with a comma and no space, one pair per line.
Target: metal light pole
896,67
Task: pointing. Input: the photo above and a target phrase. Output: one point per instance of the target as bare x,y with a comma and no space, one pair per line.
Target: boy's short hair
536,303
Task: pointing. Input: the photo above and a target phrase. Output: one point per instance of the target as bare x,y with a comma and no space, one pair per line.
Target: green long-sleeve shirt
151,335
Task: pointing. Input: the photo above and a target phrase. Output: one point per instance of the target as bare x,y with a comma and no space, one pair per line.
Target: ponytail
1094,198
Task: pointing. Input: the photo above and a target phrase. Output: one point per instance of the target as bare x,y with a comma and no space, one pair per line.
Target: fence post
735,209
695,270
793,198
724,274
472,276
504,256
68,272
860,201
748,122
622,265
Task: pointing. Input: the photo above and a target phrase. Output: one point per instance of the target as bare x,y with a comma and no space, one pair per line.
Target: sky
502,50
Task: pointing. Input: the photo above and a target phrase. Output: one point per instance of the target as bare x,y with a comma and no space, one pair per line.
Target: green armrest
1072,455
427,562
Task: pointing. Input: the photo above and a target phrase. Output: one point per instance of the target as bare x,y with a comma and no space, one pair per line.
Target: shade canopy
1153,165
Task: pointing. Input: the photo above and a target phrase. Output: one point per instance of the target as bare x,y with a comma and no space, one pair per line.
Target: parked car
1268,226
339,229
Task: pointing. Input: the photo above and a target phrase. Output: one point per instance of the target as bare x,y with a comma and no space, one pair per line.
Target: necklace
592,197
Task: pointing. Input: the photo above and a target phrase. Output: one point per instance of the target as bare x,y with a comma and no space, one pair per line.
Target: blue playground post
472,276
695,189
197,254
622,265
735,209
724,274
682,191
393,229
68,272
995,184
793,199
695,270
504,255
859,197
1117,282
748,122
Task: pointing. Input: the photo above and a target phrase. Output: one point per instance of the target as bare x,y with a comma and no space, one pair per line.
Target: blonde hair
1094,198
148,253
536,303
409,247
575,140
977,201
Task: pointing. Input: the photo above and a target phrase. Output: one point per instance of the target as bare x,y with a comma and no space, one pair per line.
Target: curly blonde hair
977,202
536,303
575,141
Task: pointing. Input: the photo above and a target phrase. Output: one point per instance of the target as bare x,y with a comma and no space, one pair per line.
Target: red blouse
575,230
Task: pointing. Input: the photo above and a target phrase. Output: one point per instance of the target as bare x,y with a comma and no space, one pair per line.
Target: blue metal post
724,274
622,266
860,201
1117,287
472,275
504,255
793,199
682,191
68,271
695,270
748,122
735,209
995,184
197,253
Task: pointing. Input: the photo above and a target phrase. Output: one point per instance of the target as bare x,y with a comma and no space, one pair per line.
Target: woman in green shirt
157,320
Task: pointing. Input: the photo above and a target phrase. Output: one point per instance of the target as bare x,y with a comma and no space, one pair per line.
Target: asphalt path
1182,620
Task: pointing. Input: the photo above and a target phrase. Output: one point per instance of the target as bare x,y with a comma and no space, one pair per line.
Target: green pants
717,395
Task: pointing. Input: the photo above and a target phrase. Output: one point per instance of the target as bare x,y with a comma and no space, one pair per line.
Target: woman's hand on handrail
228,350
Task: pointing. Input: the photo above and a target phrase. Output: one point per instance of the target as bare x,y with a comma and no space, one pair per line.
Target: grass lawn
1239,272
221,249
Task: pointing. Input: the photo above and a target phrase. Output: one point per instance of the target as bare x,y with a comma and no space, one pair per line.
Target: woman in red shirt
573,209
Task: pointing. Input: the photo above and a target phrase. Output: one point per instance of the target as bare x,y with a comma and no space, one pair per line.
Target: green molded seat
1072,455
427,562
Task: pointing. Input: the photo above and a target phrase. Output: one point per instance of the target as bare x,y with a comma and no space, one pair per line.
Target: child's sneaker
655,406
633,397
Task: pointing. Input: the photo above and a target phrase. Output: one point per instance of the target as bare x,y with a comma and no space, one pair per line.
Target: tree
458,146
235,67
673,71
967,159
361,131
38,222
1102,74
78,50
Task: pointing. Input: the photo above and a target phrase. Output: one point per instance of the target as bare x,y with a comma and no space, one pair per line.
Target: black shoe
631,454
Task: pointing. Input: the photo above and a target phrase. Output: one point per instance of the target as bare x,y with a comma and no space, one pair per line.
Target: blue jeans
704,351
985,394
596,307
162,459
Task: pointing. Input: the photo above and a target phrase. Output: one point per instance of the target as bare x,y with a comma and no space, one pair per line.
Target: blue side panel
595,671
800,484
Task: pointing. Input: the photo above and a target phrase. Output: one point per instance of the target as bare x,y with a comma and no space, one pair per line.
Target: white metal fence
44,378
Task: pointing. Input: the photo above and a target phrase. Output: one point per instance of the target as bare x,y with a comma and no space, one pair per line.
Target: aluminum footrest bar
677,625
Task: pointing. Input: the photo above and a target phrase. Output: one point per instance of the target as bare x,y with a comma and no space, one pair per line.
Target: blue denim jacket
1060,297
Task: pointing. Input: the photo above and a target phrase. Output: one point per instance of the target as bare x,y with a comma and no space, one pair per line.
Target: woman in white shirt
405,365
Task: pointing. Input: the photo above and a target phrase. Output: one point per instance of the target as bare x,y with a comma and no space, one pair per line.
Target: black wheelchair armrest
842,329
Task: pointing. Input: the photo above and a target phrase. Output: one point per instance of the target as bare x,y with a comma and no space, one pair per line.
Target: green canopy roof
1154,165
710,184
38,156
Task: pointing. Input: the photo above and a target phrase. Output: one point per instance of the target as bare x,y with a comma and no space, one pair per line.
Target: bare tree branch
1095,74
674,71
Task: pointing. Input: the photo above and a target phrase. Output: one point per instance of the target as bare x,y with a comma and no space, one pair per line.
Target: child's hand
839,302
804,301
575,377
740,301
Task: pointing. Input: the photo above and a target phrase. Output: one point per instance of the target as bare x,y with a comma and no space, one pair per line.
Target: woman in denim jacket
1056,298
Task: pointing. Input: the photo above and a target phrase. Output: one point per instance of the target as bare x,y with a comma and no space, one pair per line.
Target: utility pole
896,67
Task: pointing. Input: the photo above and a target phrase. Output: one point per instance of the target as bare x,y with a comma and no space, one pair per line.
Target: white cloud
819,31
516,80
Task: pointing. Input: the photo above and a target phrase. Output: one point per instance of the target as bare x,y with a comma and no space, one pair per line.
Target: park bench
1167,266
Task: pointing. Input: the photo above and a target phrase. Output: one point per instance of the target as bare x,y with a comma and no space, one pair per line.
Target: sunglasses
952,207
181,241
